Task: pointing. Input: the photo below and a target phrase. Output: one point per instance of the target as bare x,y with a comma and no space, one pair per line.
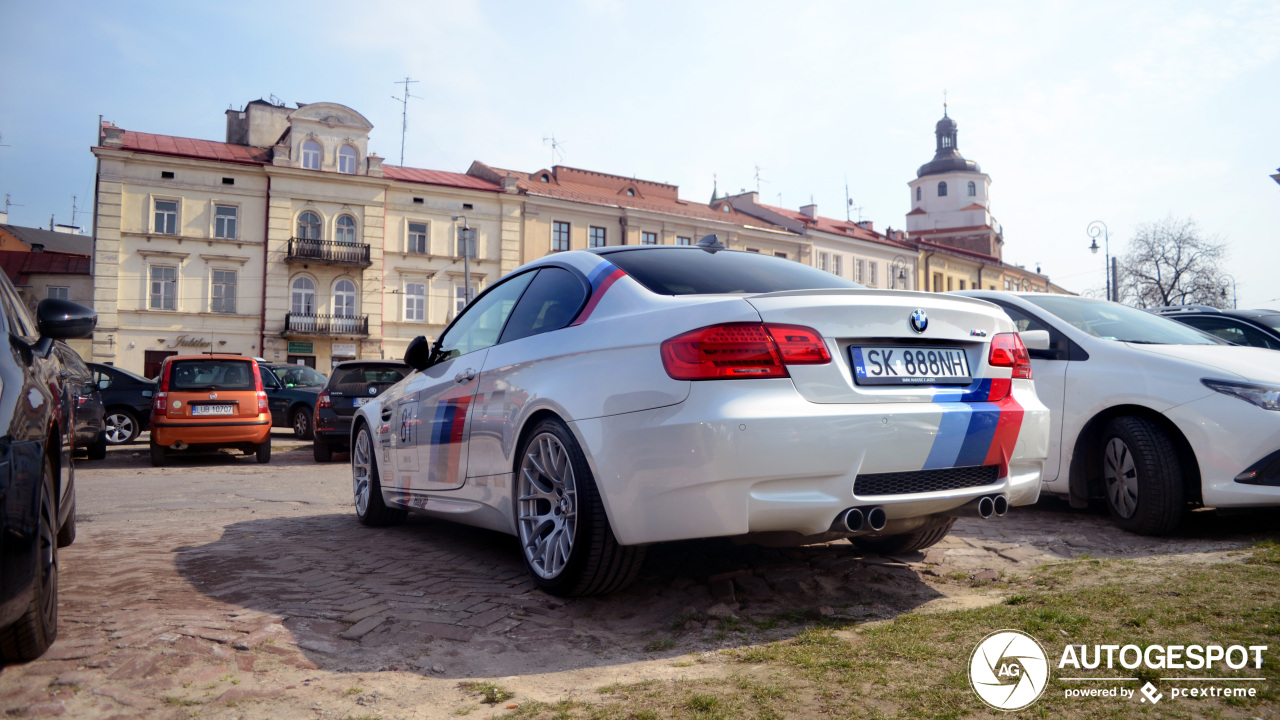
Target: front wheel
906,542
1142,476
370,508
567,543
36,629
301,423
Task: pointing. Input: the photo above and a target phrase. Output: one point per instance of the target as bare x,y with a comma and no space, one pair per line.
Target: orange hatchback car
207,402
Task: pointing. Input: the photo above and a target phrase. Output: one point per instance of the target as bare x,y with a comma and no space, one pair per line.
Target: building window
754,250
559,236
164,287
225,219
838,264
597,238
871,272
823,261
347,160
973,189
961,284
460,297
942,189
415,301
544,178
224,292
344,299
948,283
937,282
917,192
308,226
346,231
631,193
725,207
311,155
781,255
167,217
303,296
58,292
648,238
684,240
418,238
857,270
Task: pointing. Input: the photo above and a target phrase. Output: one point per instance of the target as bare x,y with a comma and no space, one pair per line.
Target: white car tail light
1008,351
742,350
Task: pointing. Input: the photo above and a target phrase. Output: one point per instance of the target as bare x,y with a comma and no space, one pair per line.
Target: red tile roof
437,177
192,148
926,245
20,265
833,226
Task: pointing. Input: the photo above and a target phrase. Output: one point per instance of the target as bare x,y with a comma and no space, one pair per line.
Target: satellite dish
711,243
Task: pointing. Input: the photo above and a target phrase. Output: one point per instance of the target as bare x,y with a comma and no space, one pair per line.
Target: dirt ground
219,588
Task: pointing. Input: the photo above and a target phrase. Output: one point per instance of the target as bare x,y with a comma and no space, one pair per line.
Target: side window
551,302
268,379
1022,321
101,379
481,325
1232,331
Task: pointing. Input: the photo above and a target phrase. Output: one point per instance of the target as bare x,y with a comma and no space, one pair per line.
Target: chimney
865,225
810,211
112,136
37,247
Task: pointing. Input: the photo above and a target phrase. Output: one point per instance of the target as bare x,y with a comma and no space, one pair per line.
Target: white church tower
950,199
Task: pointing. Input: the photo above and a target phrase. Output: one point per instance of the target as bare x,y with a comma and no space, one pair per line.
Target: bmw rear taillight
1008,351
322,400
741,350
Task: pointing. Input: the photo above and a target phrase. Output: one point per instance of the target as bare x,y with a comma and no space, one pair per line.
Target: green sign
301,348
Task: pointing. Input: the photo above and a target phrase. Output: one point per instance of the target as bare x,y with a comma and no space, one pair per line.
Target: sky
1121,112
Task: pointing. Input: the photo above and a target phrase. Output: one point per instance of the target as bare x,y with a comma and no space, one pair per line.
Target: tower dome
947,158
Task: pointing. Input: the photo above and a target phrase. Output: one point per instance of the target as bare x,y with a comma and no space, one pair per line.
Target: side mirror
62,319
419,354
1035,339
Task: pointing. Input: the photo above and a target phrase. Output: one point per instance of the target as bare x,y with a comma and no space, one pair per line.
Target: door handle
465,376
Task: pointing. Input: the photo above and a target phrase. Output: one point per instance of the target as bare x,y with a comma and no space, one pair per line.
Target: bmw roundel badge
919,321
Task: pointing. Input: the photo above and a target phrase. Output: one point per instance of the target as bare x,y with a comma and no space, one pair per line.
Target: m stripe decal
601,278
975,430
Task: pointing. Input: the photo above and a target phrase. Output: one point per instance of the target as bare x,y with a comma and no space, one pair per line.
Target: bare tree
1171,262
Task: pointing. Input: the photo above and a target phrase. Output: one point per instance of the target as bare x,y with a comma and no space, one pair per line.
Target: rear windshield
693,271
358,380
212,375
299,376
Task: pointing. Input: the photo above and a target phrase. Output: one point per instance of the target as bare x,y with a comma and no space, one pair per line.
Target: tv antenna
758,180
404,111
555,147
74,209
8,204
271,98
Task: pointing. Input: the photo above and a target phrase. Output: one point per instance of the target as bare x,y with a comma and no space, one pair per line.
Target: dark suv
37,479
352,384
1255,328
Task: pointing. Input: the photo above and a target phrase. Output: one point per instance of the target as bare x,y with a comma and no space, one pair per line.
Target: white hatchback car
594,402
1151,414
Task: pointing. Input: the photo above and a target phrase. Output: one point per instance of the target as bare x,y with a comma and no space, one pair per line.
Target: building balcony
296,324
324,251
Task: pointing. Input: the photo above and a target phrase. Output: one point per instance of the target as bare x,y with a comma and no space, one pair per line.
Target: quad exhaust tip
857,520
984,507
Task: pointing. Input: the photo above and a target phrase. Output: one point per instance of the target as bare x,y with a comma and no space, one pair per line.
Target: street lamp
1234,298
1096,228
898,271
466,235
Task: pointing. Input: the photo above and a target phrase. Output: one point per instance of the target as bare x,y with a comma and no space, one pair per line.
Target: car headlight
1266,397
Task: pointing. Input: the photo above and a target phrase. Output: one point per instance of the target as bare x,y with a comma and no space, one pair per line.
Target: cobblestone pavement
221,588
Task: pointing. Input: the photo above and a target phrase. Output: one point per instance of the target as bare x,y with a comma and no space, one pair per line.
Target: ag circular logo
1009,670
919,321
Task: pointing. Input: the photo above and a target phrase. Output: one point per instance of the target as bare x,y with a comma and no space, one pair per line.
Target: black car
291,395
1255,328
89,424
127,398
37,478
352,384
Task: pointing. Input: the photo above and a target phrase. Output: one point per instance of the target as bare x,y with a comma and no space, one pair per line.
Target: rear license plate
212,410
360,401
910,366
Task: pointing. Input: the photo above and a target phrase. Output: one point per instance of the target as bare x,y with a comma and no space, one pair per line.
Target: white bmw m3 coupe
594,402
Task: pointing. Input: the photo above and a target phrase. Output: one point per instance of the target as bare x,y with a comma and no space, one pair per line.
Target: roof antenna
404,111
758,180
944,102
555,147
711,243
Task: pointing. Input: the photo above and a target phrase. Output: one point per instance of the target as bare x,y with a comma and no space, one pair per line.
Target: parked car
291,395
593,402
352,384
207,402
90,429
127,398
37,487
1256,328
1149,414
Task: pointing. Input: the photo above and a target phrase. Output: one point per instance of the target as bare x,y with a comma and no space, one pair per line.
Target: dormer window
544,178
973,189
311,155
631,193
725,207
942,189
347,160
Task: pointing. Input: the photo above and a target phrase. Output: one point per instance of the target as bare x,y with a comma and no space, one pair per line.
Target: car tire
36,629
264,451
1141,476
321,450
905,542
67,533
565,538
301,422
98,450
366,486
122,426
158,455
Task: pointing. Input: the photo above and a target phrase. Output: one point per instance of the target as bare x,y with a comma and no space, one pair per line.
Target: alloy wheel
362,469
1121,476
119,428
548,505
301,424
48,549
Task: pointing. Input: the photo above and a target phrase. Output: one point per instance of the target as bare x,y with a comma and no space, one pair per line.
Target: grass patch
180,701
660,645
353,690
490,693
